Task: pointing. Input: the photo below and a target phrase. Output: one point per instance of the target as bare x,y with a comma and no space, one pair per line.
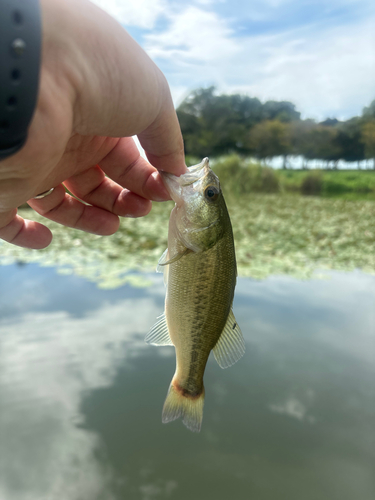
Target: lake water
81,394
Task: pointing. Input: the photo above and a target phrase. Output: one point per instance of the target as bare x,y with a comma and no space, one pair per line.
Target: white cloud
324,72
193,36
204,2
327,73
341,292
49,362
293,408
141,13
325,69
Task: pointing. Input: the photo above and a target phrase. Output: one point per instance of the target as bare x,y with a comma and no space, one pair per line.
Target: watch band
20,53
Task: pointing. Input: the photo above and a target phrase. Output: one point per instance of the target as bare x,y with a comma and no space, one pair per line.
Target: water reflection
81,394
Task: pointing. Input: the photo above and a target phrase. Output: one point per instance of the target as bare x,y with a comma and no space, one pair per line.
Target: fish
200,275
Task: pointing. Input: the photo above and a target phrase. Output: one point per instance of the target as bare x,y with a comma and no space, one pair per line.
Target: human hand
97,89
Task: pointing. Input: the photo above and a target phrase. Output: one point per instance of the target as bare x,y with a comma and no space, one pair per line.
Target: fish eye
211,193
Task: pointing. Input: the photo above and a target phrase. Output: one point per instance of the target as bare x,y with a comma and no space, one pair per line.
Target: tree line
216,125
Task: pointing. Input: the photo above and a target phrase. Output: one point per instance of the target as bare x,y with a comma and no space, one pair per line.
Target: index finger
129,169
22,232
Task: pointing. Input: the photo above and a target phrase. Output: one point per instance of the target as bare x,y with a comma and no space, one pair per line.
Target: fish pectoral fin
162,260
231,345
159,333
160,268
175,258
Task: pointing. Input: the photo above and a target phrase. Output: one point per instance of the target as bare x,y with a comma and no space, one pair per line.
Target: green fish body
200,274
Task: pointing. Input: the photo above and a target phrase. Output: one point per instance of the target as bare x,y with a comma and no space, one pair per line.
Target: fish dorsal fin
231,345
159,334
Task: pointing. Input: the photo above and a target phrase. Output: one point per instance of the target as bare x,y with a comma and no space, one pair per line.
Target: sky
318,54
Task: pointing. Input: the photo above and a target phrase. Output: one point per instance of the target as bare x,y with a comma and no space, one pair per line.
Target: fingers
93,187
162,140
66,210
126,167
23,233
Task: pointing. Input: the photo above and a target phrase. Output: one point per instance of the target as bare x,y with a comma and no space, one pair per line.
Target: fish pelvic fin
179,403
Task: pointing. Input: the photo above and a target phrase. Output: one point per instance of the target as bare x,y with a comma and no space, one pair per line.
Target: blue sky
318,54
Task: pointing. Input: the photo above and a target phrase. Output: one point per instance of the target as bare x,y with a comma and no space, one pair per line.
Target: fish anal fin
231,345
159,334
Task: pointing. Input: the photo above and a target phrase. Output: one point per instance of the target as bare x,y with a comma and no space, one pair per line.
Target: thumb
162,140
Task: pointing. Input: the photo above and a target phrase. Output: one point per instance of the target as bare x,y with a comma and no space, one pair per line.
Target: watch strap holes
11,102
17,17
4,125
15,75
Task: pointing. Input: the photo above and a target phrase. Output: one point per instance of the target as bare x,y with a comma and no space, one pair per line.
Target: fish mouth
196,169
176,184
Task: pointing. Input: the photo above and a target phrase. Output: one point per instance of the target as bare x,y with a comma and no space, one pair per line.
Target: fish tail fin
180,403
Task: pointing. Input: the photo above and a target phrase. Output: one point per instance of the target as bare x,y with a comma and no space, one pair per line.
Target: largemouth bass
199,268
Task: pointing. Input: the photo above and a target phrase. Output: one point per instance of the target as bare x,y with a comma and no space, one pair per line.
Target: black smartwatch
20,54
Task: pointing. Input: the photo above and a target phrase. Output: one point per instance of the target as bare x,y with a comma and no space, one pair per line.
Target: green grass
355,183
242,175
297,235
274,234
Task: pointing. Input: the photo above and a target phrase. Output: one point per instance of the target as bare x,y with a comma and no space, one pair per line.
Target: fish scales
199,296
200,274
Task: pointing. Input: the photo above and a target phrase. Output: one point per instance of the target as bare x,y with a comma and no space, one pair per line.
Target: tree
330,122
217,124
323,144
369,111
271,138
283,111
368,139
349,140
300,138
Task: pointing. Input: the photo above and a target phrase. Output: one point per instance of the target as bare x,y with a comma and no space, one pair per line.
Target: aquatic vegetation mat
274,234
